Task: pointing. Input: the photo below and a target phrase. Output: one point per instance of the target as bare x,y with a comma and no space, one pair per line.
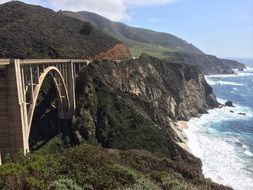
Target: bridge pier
14,121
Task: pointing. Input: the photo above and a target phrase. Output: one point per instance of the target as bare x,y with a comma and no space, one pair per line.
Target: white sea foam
219,82
225,157
248,69
211,81
247,72
229,83
218,153
248,153
226,114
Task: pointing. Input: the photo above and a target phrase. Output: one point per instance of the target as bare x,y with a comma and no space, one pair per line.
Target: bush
67,184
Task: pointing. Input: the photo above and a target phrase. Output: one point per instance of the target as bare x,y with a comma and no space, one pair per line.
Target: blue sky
220,27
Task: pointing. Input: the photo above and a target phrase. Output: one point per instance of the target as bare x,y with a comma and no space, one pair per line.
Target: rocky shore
181,140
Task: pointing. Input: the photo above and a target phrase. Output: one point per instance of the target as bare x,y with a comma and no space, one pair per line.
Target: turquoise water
223,139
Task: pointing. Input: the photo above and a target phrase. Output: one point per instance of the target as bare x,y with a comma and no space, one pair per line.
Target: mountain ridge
130,35
158,44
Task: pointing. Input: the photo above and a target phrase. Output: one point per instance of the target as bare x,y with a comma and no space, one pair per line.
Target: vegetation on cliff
28,31
88,167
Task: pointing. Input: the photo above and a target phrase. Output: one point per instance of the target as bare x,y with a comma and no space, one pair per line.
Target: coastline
229,163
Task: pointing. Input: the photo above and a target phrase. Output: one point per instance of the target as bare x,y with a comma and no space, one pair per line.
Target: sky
219,27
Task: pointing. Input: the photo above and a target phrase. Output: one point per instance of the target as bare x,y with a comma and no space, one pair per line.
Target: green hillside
28,31
138,40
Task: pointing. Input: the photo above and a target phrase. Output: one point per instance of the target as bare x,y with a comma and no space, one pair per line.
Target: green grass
153,50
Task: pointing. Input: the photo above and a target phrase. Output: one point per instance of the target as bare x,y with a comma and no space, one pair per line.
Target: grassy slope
138,40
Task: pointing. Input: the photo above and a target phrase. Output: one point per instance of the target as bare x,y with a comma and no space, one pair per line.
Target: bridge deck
4,62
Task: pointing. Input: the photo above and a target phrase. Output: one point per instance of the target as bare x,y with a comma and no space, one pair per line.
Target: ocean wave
248,153
247,72
222,139
249,69
219,155
236,109
219,82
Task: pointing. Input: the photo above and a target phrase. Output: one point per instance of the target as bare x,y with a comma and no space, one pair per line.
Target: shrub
67,184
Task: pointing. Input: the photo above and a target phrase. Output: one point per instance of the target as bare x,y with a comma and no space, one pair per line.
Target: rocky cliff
132,104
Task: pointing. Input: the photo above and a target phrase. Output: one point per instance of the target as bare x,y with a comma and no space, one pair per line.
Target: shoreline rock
182,138
229,103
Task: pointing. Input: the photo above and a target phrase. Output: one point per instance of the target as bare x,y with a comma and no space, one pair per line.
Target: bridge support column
17,111
70,83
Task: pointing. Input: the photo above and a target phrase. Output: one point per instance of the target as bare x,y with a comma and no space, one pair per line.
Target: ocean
223,138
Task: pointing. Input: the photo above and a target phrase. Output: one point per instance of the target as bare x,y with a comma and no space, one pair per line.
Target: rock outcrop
229,103
117,52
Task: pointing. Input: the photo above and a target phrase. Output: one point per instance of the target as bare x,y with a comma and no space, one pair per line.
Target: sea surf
223,138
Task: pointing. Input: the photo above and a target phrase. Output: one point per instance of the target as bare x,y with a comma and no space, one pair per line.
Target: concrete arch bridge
20,84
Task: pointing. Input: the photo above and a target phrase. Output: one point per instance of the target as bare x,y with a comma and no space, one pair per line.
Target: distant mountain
161,45
139,40
28,31
234,64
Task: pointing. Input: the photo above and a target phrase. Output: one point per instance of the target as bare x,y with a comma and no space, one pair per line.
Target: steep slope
132,104
136,38
28,31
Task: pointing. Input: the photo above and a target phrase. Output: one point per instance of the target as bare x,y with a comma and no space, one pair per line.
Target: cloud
3,1
35,2
116,10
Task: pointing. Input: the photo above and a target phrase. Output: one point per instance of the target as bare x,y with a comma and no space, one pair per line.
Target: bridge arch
20,86
62,93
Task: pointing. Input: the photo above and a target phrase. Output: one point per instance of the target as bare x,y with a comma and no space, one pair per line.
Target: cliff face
208,64
132,104
117,52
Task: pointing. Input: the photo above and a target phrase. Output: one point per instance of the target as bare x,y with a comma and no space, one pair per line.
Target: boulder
229,104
